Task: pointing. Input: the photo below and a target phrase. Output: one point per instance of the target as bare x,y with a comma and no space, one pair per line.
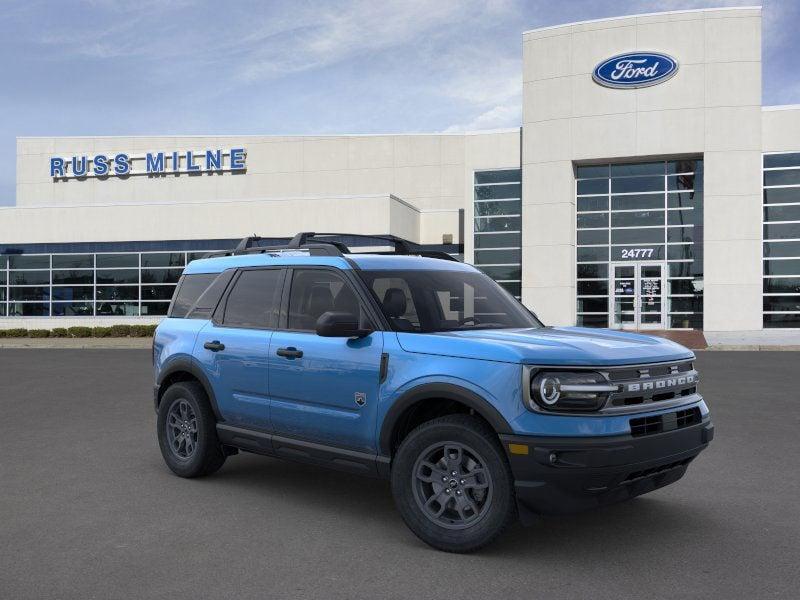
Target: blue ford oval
635,70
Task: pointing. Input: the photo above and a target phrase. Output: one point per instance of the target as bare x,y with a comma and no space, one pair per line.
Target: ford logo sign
635,70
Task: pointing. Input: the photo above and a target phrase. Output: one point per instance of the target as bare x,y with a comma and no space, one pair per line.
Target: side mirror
340,324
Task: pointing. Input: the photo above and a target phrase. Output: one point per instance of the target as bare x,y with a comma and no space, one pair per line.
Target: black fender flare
446,391
186,365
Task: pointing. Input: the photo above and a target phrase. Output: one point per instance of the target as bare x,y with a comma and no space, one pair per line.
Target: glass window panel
782,303
497,192
2,277
29,277
592,271
591,171
782,160
497,257
27,261
117,260
684,217
680,252
502,272
118,276
592,254
500,176
637,184
781,249
637,236
686,321
683,269
73,261
515,289
782,267
197,255
483,209
788,177
782,285
596,203
592,321
593,186
593,305
782,195
593,288
593,220
117,309
28,309
2,310
161,275
685,200
694,304
154,308
684,182
640,218
641,252
84,292
498,224
787,320
686,286
73,277
3,261
680,234
782,231
651,168
684,166
782,213
163,259
2,294
124,292
498,240
157,292
73,309
637,202
592,236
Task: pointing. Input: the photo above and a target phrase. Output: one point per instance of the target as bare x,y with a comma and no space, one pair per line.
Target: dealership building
646,188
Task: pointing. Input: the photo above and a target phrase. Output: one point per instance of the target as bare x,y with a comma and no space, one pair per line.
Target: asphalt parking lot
88,510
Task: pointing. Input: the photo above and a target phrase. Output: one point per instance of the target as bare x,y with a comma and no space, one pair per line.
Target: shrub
39,333
80,332
101,332
120,330
2,333
16,332
140,331
59,332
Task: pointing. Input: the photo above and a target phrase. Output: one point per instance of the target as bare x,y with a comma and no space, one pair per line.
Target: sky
161,67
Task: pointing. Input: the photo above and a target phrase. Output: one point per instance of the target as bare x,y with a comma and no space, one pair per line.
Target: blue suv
415,367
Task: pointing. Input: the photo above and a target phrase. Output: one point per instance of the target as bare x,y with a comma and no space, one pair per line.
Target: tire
190,446
479,505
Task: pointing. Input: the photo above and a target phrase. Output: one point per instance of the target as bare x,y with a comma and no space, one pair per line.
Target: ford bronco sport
418,368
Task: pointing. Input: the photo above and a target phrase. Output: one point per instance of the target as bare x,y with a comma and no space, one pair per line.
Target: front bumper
561,475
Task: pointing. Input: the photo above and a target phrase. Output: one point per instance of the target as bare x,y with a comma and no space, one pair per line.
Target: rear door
324,390
233,348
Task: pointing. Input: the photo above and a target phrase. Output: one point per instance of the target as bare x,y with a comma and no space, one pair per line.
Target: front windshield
431,301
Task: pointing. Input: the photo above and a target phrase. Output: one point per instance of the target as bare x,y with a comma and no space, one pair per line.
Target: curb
77,343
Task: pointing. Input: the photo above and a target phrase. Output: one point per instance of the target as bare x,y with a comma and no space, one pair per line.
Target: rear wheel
452,484
187,433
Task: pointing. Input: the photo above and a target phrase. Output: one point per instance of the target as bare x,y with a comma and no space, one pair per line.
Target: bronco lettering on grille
659,384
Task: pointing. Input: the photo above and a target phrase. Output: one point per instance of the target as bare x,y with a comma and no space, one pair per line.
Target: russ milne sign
635,70
151,163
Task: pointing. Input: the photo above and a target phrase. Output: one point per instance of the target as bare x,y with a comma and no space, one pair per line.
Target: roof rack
316,245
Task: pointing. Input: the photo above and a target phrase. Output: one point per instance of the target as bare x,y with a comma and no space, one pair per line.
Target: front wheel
452,484
187,432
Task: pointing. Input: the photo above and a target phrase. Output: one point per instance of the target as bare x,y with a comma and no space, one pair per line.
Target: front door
636,299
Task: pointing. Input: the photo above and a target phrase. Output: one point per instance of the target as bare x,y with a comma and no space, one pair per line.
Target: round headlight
549,390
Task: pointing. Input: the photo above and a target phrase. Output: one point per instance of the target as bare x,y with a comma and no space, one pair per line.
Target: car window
254,300
317,291
189,290
431,301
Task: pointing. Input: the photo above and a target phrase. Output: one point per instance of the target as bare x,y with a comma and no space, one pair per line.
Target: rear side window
189,290
317,291
254,301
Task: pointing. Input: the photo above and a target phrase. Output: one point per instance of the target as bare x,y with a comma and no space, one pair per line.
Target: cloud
498,117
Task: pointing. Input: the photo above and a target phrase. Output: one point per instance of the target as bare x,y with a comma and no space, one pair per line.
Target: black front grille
647,384
666,422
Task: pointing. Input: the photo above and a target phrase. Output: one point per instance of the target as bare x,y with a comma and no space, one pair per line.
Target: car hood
547,346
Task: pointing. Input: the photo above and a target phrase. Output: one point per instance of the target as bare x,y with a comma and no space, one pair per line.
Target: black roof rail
315,244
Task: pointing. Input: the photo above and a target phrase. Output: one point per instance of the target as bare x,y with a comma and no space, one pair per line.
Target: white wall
711,107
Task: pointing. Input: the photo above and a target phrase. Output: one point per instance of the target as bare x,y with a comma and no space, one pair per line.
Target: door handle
290,352
214,346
